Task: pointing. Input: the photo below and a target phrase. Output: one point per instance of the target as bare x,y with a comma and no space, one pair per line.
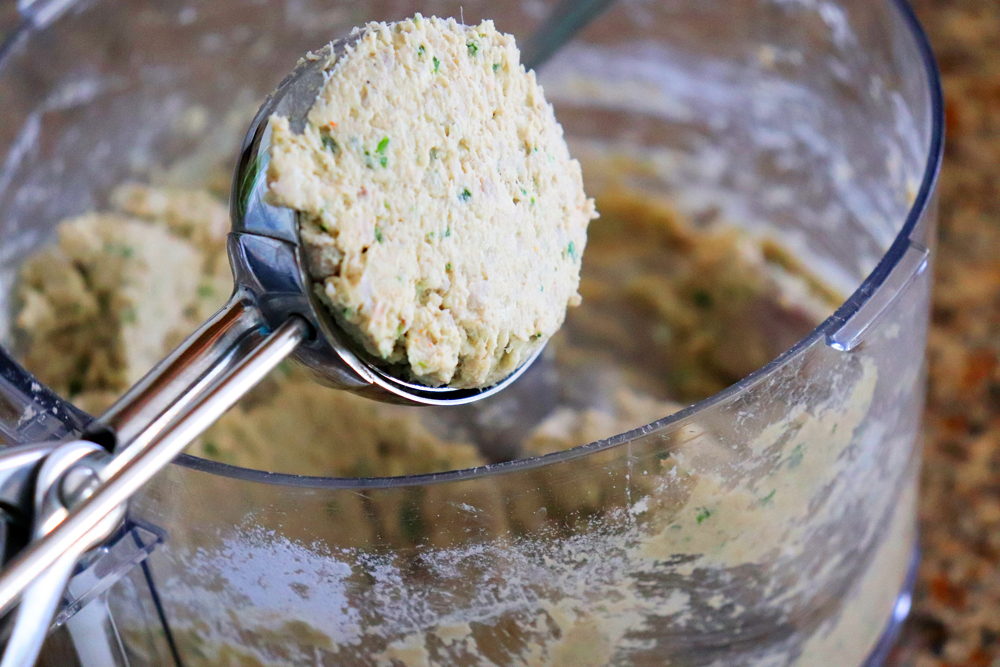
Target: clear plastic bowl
770,524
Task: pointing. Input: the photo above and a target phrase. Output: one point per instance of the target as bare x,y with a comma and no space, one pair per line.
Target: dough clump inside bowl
673,312
442,217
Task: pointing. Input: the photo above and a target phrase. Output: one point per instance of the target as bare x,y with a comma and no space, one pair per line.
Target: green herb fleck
332,508
387,204
447,267
465,195
411,522
768,498
195,648
378,234
703,513
347,312
447,232
437,64
795,458
210,449
537,335
429,236
382,145
206,291
702,298
421,50
570,251
123,251
362,468
330,144
532,201
434,153
473,47
383,161
496,66
524,192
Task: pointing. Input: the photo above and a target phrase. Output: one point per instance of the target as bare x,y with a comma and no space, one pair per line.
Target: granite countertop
955,620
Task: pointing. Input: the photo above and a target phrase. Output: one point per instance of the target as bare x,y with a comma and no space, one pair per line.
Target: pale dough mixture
442,216
120,289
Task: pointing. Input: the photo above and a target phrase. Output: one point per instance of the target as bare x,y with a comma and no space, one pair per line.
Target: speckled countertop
955,620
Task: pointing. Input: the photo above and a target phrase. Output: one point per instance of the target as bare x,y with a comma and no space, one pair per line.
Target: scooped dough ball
442,216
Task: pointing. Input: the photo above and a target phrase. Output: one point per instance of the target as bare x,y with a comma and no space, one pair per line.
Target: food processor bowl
772,523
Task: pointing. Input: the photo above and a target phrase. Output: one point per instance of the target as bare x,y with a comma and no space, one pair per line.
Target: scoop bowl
268,266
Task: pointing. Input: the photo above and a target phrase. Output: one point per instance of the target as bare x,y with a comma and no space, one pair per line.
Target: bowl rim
921,206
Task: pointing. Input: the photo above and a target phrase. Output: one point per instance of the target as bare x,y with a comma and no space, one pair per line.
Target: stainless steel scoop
272,291
268,265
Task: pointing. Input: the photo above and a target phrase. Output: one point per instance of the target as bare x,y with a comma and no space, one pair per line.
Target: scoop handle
158,434
196,363
562,24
